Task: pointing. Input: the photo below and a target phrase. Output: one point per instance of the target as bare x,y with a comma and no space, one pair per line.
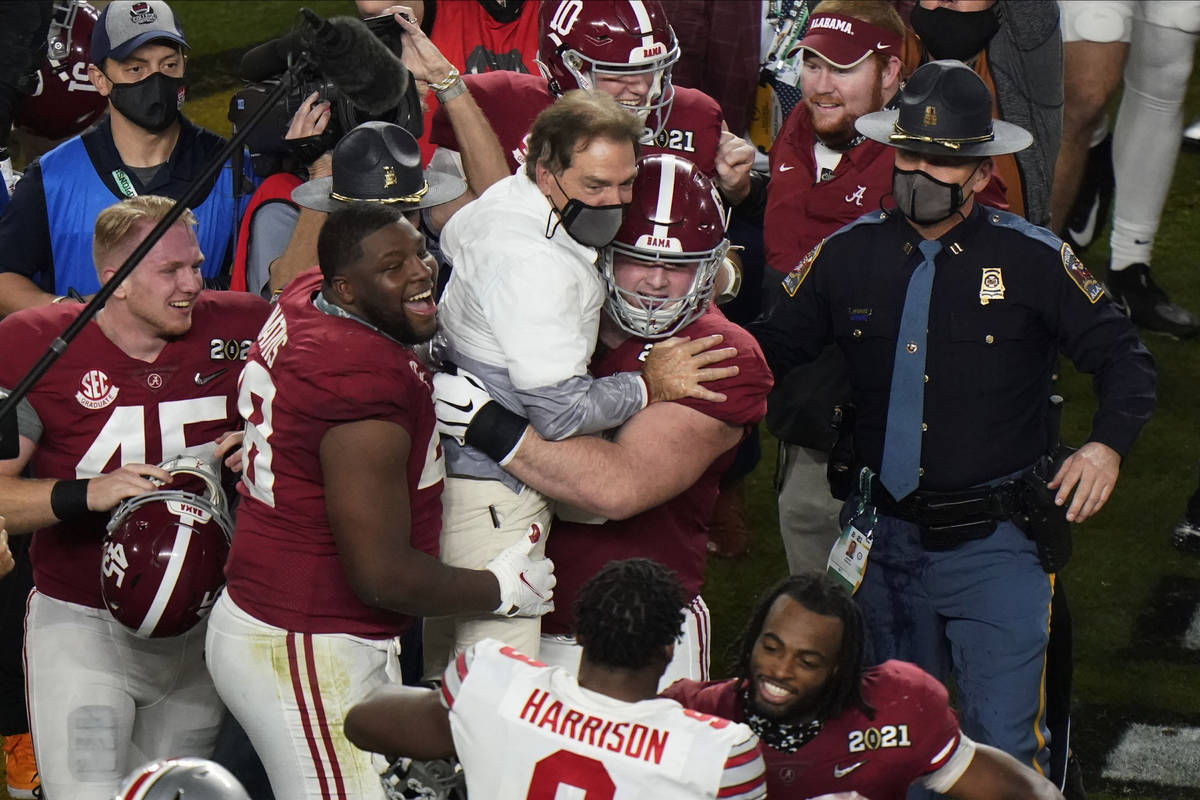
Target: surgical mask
152,103
954,34
594,226
924,199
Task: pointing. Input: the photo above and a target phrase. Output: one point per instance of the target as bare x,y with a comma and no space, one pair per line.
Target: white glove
457,398
469,415
526,585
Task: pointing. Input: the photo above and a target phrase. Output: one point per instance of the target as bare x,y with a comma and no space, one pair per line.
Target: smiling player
829,726
336,538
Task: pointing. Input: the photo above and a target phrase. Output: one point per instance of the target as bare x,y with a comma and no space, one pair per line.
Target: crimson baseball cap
126,25
847,41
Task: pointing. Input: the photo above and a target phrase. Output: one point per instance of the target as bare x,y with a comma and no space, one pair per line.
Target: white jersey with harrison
525,730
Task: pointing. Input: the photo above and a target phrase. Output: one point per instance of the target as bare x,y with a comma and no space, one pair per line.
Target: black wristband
68,499
495,431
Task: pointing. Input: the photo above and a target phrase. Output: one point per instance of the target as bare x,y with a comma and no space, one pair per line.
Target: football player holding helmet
64,102
164,553
676,222
626,44
171,778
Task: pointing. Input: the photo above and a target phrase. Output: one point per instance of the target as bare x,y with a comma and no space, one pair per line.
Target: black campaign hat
378,162
945,109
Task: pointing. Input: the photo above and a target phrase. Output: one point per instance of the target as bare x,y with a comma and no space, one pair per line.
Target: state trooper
951,315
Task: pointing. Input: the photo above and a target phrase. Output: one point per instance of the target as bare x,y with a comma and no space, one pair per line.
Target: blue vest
75,196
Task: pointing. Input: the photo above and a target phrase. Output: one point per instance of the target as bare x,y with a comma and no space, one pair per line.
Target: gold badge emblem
931,116
991,287
389,177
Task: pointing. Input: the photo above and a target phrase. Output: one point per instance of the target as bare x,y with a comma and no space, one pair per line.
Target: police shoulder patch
1087,284
796,277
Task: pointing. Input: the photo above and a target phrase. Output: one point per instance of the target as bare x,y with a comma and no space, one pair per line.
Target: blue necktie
900,470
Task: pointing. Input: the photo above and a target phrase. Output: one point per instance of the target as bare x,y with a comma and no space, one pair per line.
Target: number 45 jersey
97,409
525,730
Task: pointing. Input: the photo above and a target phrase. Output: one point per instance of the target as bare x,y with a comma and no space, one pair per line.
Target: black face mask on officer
594,226
152,103
924,199
954,34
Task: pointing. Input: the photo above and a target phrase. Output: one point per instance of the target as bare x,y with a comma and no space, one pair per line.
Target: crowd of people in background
390,466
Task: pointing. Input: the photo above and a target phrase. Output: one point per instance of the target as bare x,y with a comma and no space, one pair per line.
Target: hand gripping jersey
310,371
914,736
522,730
511,101
674,533
100,409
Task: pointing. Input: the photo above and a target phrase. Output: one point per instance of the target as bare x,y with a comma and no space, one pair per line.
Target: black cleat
1186,537
1147,305
1191,134
1089,214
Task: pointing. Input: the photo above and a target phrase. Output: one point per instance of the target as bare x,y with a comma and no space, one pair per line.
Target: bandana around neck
786,737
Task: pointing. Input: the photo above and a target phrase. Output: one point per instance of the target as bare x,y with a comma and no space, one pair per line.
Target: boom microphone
347,53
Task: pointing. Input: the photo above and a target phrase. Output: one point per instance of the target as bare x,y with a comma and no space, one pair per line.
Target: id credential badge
848,558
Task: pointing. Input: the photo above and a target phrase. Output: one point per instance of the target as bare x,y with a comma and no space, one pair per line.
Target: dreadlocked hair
820,594
628,612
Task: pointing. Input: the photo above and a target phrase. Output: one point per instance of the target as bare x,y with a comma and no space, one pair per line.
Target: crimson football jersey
675,533
913,734
101,408
310,371
525,730
475,42
511,101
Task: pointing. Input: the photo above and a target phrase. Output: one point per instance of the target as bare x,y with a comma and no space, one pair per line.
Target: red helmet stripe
142,783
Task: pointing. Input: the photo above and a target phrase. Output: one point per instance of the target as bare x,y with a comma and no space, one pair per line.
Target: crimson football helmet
164,554
676,219
174,778
578,41
64,101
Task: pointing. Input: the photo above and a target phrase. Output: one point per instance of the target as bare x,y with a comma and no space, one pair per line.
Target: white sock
1146,136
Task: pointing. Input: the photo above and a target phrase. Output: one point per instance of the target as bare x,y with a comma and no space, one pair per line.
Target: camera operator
145,146
265,239
425,64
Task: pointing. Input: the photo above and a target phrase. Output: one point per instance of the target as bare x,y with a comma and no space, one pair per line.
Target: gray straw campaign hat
378,162
945,109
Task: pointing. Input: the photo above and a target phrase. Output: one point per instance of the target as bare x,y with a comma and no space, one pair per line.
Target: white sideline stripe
1160,754
1191,637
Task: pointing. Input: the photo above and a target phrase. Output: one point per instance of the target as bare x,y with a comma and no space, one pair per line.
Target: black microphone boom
345,51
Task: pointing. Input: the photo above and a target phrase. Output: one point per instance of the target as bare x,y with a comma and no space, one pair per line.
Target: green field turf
1128,586
1122,555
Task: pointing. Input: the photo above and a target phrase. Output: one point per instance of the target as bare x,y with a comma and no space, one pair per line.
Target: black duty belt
947,518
